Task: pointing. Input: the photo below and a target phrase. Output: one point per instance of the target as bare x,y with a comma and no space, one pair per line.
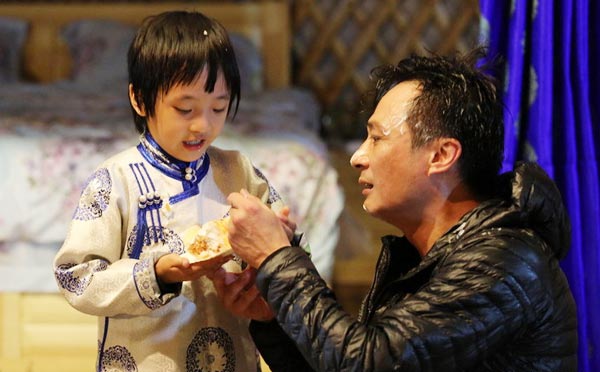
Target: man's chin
369,209
374,211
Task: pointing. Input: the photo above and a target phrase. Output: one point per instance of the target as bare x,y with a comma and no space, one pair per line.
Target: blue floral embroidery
211,350
144,279
273,194
118,358
167,236
94,197
70,281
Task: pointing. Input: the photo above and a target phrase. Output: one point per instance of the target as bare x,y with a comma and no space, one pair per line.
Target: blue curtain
550,72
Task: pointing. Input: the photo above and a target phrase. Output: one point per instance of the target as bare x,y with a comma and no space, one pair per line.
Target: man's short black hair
457,100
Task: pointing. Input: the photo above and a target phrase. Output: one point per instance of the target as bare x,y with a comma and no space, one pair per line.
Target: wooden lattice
337,42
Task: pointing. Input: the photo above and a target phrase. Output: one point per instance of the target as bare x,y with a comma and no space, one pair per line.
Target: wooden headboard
46,56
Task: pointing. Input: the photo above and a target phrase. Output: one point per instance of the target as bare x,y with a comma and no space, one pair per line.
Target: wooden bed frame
47,56
40,331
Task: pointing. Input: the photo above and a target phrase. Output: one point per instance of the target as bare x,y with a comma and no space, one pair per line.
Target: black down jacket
489,296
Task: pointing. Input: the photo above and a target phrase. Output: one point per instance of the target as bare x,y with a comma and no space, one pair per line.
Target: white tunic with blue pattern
132,211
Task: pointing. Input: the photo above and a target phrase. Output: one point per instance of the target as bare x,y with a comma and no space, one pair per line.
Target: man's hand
172,268
240,296
255,231
288,225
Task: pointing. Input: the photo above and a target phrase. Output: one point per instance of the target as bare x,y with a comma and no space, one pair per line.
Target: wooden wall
337,42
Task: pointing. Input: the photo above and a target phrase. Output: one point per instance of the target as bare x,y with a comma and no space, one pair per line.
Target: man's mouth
365,185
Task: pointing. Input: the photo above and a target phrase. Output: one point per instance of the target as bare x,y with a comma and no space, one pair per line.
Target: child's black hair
174,48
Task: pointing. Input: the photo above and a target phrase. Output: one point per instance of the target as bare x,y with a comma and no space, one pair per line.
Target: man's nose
359,159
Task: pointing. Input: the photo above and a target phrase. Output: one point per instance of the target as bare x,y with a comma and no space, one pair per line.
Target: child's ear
134,103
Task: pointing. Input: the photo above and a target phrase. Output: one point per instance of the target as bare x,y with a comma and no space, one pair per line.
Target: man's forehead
390,110
403,92
394,107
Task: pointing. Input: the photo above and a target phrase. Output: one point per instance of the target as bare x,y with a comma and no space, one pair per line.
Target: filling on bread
211,239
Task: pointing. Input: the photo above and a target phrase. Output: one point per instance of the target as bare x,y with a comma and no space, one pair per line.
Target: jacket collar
189,173
400,253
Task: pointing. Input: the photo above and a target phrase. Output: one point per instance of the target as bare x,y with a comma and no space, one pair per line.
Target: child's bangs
213,56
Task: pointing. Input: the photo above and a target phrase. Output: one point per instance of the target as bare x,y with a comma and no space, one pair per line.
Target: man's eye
375,138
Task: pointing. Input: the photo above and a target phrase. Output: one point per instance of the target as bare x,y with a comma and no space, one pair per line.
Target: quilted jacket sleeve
277,349
469,308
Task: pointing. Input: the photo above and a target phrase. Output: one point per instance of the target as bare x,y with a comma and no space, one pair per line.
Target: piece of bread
203,242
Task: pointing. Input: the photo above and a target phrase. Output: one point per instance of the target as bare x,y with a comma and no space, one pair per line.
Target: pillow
249,62
99,51
12,38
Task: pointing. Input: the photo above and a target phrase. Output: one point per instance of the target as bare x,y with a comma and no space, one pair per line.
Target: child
121,259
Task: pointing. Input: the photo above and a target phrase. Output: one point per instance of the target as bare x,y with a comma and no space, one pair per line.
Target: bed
63,109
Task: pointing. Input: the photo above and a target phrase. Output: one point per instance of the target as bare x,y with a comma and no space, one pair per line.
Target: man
474,283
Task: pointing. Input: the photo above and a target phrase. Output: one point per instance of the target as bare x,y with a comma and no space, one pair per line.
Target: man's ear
446,152
139,108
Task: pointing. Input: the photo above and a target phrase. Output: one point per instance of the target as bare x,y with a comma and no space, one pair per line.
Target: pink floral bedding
52,138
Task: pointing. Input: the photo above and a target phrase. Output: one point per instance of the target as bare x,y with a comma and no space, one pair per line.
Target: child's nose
200,123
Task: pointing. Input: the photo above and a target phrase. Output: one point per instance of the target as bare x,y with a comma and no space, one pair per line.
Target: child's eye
220,110
183,111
